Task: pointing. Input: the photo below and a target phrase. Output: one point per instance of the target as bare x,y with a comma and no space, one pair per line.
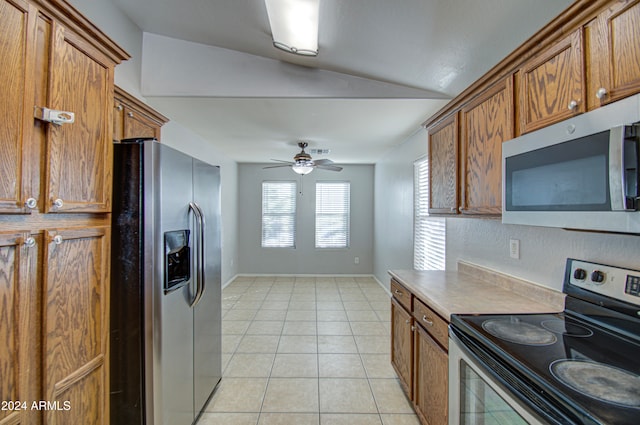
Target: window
279,214
332,214
429,233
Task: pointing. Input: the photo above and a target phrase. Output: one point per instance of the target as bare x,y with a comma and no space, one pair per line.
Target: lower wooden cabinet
54,326
19,333
420,359
402,345
430,389
76,325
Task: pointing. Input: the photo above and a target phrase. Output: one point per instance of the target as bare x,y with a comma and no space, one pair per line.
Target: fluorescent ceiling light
294,25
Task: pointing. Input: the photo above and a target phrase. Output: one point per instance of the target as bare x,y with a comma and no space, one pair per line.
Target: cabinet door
552,84
431,379
16,24
443,167
79,155
614,53
486,123
402,346
76,325
137,125
19,360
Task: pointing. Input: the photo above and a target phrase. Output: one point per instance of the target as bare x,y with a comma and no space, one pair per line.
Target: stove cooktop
584,368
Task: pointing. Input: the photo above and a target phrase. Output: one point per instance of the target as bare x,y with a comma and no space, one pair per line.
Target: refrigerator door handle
199,257
202,252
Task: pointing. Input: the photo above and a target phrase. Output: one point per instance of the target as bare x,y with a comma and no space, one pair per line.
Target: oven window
480,404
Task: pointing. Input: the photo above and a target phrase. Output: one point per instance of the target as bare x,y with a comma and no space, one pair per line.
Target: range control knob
597,276
580,274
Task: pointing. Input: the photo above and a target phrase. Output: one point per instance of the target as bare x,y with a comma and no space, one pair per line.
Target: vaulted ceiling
383,68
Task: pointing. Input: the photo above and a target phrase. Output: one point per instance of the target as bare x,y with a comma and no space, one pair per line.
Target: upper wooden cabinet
132,118
613,53
16,106
486,122
443,166
552,84
49,63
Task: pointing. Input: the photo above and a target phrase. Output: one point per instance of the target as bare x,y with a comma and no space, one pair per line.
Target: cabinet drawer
436,326
401,294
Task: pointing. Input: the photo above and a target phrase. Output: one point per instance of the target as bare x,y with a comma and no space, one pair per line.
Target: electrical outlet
514,248
356,260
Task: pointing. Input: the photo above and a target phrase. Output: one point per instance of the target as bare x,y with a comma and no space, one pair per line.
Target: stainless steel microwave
581,173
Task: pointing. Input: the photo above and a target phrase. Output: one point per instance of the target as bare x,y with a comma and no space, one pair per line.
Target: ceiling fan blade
277,166
323,162
281,160
329,167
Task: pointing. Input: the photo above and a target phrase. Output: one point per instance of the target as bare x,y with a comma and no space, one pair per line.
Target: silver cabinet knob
573,104
30,242
31,203
57,239
58,203
601,93
119,108
130,114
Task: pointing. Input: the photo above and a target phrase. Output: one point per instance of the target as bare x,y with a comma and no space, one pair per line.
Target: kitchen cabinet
55,196
133,118
552,84
19,359
486,122
443,166
402,345
52,167
613,53
76,324
431,389
419,341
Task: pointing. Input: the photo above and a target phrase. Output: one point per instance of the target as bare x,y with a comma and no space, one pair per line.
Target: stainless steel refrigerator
165,285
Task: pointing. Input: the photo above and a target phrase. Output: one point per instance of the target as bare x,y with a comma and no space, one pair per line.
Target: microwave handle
624,163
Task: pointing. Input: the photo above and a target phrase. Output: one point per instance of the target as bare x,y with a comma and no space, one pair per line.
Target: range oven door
477,398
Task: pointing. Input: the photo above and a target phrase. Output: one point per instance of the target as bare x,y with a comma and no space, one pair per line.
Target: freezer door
207,312
173,321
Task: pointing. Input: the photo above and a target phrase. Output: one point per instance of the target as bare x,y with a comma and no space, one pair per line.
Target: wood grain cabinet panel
431,379
134,119
402,345
54,268
613,53
19,333
76,328
15,104
486,122
552,84
79,155
443,166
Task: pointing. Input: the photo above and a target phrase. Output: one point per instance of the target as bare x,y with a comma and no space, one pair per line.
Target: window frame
346,214
292,214
429,233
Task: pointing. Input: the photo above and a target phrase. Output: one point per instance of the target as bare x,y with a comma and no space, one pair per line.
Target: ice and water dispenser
177,260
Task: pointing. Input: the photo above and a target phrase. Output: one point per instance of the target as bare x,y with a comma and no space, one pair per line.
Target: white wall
394,207
305,258
117,26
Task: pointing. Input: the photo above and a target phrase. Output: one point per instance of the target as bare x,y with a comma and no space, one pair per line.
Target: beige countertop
477,290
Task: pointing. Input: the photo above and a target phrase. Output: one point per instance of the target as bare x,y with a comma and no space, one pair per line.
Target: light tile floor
307,351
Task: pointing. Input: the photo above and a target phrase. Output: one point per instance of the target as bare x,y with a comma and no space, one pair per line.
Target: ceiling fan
304,164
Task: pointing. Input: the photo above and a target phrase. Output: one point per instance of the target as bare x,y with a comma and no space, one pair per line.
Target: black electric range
580,366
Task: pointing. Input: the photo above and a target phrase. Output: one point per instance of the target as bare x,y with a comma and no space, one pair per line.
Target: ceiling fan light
294,25
302,168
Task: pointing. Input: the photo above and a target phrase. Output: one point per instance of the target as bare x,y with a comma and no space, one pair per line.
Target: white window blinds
332,214
279,214
429,233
